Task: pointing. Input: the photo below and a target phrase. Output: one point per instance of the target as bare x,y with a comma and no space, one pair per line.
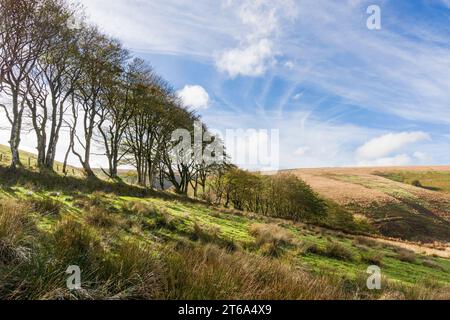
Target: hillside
389,200
29,161
133,243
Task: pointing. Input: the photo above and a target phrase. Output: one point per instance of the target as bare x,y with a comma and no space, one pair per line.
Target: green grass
121,235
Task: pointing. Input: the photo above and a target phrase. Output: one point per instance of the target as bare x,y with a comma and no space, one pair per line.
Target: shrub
416,183
282,195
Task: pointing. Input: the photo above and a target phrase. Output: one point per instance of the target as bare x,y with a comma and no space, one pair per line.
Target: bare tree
53,79
21,23
115,113
99,56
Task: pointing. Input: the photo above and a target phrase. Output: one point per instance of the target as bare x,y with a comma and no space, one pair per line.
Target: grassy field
130,243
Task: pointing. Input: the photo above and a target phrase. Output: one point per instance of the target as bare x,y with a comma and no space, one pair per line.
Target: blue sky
339,93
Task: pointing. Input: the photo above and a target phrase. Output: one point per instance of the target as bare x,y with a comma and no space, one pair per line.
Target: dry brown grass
212,235
15,228
100,217
270,233
406,255
142,208
270,238
424,290
213,273
343,192
366,242
373,258
45,206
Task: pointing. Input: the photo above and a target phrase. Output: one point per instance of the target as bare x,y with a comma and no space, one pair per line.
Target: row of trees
56,74
281,195
60,74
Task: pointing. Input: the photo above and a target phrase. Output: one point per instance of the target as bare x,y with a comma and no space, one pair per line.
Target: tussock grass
422,290
270,238
270,233
432,264
212,236
143,209
100,217
15,229
76,244
165,220
366,242
136,272
96,199
214,273
406,255
373,258
127,271
332,249
338,251
45,206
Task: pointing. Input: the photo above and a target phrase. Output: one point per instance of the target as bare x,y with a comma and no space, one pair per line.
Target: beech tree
100,57
52,82
23,40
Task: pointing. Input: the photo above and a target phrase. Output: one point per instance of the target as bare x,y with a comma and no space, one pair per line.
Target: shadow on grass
54,182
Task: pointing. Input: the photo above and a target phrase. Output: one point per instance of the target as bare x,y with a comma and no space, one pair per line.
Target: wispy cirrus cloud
267,60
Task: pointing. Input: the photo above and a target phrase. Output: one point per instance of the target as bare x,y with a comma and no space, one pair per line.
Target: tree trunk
14,140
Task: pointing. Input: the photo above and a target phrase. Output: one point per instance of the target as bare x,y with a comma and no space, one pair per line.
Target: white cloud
194,96
399,160
250,61
260,22
386,144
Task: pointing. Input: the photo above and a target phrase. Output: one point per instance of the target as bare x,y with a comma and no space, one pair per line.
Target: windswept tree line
282,195
59,74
